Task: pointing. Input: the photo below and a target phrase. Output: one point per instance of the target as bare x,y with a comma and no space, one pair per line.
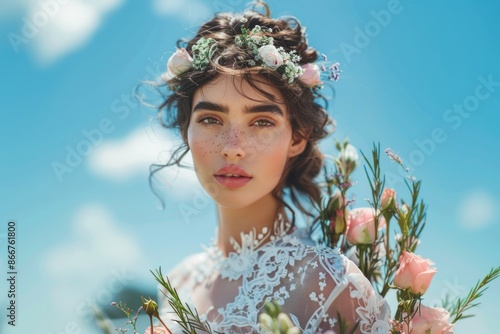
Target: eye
208,120
264,123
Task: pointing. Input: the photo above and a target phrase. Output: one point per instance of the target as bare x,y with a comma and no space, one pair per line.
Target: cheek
270,149
198,144
269,139
272,144
276,142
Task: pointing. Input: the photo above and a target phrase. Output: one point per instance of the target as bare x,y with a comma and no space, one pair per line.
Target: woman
244,94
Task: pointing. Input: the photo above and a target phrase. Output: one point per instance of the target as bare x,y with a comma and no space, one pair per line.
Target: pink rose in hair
311,75
178,63
361,226
429,320
270,56
414,272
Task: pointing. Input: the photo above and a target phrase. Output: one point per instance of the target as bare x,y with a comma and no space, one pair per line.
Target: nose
233,144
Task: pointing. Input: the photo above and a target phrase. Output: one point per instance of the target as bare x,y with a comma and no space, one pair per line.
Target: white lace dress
312,283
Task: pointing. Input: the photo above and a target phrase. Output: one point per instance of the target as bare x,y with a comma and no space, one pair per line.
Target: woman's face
240,143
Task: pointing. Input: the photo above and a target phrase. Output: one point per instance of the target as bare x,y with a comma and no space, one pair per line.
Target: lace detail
241,262
313,284
370,306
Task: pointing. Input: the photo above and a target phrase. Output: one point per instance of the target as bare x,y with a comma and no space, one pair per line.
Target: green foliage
465,304
188,318
379,261
132,320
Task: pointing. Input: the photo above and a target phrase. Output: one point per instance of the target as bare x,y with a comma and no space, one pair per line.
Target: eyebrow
205,105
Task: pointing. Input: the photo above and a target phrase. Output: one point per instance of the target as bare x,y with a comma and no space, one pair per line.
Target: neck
234,221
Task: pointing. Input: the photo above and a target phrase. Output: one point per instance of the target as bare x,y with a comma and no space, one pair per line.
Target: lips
232,176
232,171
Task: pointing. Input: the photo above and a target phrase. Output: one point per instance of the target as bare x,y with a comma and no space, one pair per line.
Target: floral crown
264,53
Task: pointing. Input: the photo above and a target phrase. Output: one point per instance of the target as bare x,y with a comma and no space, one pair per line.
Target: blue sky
421,78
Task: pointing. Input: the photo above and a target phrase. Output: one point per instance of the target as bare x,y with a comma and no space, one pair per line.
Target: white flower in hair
261,48
178,63
270,56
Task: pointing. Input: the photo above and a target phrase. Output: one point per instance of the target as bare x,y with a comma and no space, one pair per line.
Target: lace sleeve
316,285
334,287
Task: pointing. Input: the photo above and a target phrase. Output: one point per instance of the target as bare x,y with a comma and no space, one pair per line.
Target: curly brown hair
308,118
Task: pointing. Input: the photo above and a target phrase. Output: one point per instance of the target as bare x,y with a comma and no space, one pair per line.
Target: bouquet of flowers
381,239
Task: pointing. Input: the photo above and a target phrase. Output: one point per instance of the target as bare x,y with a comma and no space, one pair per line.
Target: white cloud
10,8
476,209
97,243
191,11
54,28
125,158
95,252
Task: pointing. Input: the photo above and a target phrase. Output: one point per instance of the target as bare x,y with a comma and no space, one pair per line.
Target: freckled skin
241,139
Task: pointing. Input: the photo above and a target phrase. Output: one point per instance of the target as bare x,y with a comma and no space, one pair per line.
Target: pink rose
311,75
361,226
429,320
388,199
157,330
178,63
414,272
270,56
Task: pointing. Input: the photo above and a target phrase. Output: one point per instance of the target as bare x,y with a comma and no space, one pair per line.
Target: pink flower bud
337,224
388,199
361,226
414,273
430,320
336,202
178,63
311,75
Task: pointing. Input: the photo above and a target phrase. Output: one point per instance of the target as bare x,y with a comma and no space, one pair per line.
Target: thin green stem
477,291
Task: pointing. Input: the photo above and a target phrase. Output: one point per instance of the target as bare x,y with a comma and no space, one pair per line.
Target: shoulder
309,261
313,252
332,284
181,279
322,263
182,273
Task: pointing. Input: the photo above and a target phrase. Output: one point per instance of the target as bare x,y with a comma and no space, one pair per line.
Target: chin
233,202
